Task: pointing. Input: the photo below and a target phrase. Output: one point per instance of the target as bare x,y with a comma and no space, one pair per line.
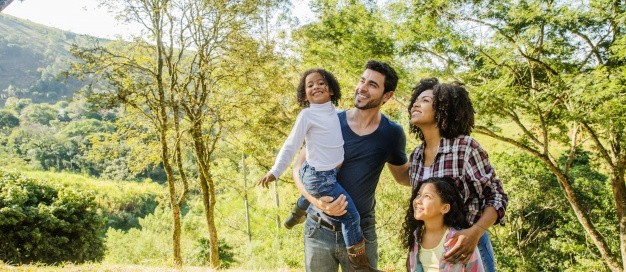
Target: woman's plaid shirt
463,159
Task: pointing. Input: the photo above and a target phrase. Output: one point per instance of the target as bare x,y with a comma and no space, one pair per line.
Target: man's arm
325,204
400,173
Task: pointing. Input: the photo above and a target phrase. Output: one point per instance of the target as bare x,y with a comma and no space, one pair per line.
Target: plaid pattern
463,159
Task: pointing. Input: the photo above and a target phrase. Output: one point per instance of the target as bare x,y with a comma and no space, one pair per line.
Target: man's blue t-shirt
364,159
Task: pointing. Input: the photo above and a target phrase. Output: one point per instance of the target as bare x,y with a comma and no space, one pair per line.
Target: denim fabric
302,203
486,253
325,250
324,183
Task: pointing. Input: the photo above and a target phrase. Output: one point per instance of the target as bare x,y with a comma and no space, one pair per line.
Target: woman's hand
464,243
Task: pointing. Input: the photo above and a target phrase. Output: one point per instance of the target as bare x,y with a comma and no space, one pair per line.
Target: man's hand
266,180
332,207
464,243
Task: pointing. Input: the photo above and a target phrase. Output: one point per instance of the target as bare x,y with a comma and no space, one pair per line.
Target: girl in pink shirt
434,215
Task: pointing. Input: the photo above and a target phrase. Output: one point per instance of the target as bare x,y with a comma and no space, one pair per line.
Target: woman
442,116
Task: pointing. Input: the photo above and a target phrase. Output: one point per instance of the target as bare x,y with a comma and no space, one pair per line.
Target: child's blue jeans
324,183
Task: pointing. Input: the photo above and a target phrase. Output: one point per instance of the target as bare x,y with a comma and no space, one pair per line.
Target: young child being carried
318,125
433,216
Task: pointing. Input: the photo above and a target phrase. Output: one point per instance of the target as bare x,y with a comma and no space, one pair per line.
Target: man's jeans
486,253
325,250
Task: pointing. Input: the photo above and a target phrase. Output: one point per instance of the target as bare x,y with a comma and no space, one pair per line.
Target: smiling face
427,205
317,91
422,112
370,91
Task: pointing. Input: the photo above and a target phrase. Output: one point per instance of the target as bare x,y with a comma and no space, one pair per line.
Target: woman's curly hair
453,108
331,82
449,194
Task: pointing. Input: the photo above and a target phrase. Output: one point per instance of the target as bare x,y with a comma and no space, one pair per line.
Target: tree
8,120
141,81
342,41
211,85
39,113
541,232
538,71
201,50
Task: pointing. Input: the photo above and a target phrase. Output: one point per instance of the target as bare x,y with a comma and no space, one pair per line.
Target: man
371,140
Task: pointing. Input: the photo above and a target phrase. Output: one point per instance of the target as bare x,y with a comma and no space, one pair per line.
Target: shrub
43,224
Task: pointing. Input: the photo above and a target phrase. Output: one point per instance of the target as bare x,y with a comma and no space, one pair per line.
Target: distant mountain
31,57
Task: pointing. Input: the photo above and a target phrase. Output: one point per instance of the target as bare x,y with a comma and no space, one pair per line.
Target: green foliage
43,224
533,69
38,144
122,203
16,104
202,249
346,36
8,120
550,69
33,57
541,232
39,113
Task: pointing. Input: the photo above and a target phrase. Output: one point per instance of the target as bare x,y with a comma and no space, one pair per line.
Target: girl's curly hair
453,108
449,194
331,82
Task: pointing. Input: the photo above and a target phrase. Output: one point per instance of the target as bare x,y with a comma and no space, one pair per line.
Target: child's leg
351,220
303,203
324,183
298,213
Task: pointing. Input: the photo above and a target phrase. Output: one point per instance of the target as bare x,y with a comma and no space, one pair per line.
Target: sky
85,17
78,16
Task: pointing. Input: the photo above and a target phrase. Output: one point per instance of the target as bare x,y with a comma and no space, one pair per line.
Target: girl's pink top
475,264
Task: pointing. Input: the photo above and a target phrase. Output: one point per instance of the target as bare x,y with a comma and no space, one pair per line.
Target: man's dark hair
449,194
331,82
453,108
391,78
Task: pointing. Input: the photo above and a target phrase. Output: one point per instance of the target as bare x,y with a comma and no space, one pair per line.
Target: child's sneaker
296,217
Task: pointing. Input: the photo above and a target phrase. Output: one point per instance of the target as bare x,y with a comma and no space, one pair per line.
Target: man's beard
373,103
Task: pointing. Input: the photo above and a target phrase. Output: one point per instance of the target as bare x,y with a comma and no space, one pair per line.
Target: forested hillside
162,142
31,58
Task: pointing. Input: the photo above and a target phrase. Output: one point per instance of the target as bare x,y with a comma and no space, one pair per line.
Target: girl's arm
288,150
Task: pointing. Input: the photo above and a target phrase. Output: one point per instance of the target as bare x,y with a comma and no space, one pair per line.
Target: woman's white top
319,126
428,171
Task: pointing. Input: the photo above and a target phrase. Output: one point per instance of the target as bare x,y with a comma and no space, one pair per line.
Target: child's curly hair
453,108
448,192
331,82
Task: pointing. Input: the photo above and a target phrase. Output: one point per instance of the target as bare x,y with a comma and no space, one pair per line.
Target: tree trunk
583,218
208,192
619,192
571,197
163,119
169,173
210,214
176,225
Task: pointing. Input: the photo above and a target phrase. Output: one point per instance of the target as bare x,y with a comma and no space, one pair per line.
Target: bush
42,224
202,248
